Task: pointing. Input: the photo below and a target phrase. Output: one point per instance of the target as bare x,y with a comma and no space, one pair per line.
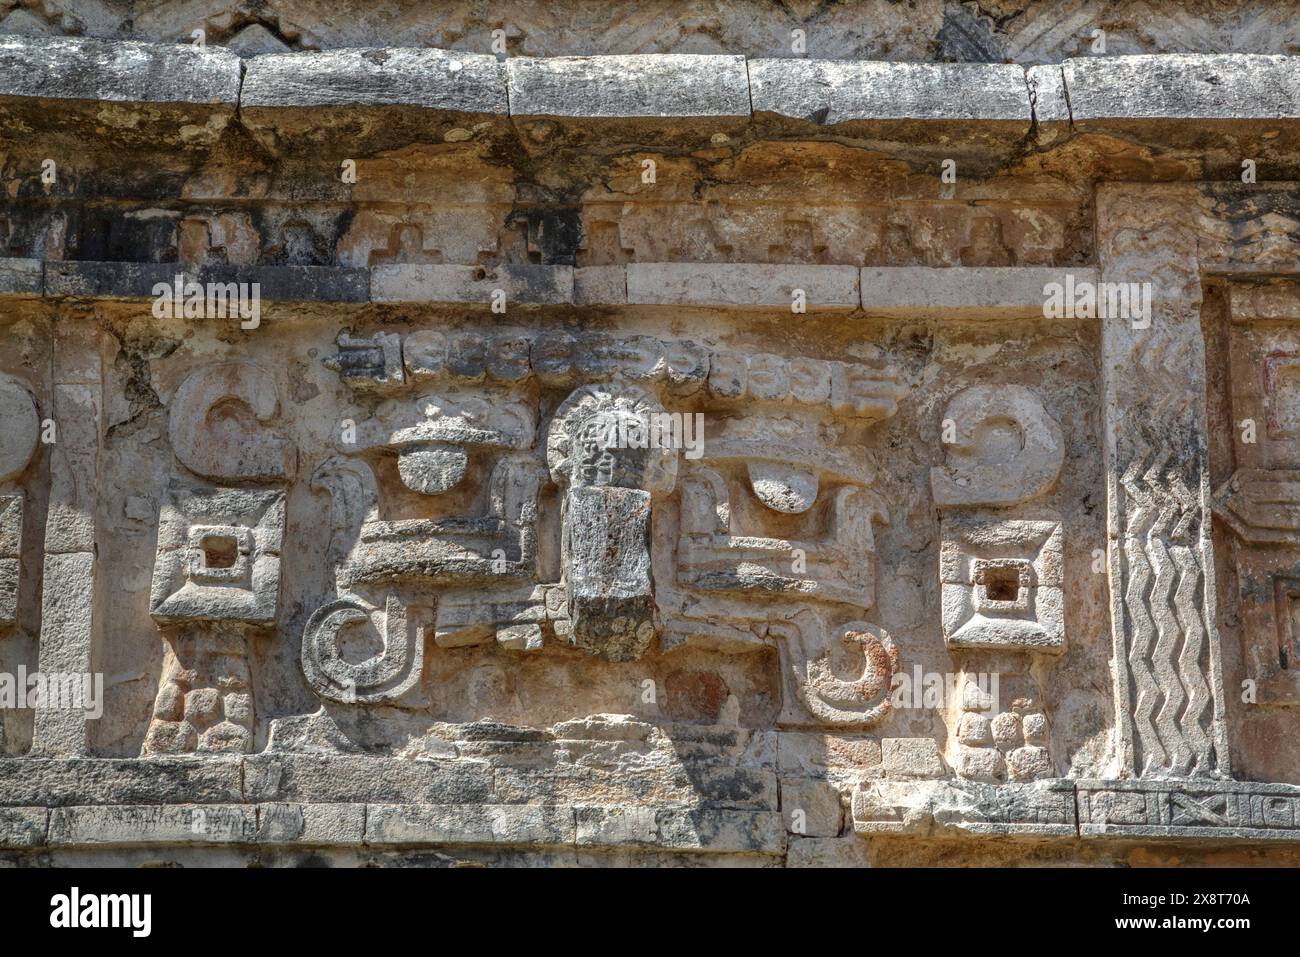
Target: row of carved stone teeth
560,359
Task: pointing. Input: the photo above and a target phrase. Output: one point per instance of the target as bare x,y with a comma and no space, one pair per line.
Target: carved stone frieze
653,458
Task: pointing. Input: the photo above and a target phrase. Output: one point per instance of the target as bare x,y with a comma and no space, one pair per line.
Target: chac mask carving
620,497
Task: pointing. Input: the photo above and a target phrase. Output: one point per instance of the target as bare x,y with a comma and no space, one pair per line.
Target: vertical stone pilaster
1169,697
68,591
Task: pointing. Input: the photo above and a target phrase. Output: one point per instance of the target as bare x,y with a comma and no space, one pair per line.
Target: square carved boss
1001,584
218,555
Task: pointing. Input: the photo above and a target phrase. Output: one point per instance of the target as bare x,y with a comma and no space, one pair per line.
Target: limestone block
741,284
811,808
11,527
431,79
311,824
971,113
81,68
135,94
362,779
1206,105
294,283
911,758
663,85
1047,88
313,100
962,292
832,92
521,284
21,277
849,851
600,286
23,826
532,824
1190,87
607,571
107,279
54,782
159,824
756,832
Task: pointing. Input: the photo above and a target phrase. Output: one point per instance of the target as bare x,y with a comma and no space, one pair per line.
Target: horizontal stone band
679,86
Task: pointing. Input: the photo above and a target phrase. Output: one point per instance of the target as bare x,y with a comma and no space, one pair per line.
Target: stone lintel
116,71
658,86
21,277
964,292
1181,86
741,284
834,92
420,78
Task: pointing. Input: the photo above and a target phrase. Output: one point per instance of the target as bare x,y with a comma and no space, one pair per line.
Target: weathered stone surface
989,292
295,101
152,824
360,780
77,68
1228,86
939,807
910,758
811,808
830,92
718,284
521,285
107,279
23,826
314,824
21,277
615,87
536,824
430,79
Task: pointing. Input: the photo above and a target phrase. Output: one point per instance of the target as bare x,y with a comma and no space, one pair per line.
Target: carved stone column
1169,704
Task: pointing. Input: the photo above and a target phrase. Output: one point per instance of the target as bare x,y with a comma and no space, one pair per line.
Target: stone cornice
823,93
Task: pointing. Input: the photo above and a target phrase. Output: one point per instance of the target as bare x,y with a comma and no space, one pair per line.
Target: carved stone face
611,435
603,452
602,455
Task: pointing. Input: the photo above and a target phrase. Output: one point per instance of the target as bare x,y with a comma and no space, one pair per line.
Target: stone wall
709,449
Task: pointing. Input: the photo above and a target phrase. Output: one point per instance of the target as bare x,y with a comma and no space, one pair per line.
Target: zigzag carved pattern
1163,596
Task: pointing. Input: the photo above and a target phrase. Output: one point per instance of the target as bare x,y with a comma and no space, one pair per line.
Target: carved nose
607,570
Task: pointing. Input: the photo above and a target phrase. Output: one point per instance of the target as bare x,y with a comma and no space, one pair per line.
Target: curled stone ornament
855,701
382,679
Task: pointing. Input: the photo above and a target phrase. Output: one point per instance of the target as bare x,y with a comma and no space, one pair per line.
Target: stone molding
965,292
1190,87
